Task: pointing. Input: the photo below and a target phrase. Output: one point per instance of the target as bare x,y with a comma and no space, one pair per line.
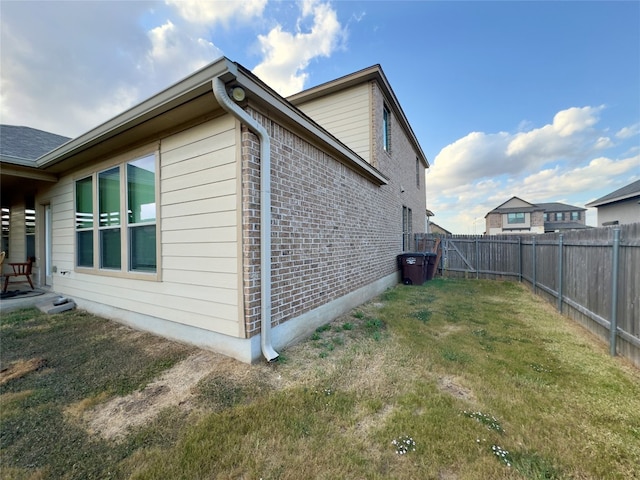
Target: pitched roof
628,191
536,207
23,145
559,207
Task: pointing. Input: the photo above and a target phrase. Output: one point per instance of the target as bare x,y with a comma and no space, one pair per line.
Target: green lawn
466,379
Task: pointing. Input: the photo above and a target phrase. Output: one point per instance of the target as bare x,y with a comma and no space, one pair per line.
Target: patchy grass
452,379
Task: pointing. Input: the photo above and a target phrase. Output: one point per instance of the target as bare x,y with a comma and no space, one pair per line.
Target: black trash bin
414,267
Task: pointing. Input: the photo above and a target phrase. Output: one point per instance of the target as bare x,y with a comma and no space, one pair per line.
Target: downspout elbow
220,92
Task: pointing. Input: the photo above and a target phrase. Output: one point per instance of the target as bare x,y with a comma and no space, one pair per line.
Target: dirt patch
20,368
175,387
453,386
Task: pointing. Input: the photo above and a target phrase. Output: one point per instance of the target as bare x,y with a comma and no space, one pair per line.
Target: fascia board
156,105
597,203
28,172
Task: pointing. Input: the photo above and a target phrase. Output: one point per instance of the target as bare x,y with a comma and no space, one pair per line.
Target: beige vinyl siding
199,266
346,115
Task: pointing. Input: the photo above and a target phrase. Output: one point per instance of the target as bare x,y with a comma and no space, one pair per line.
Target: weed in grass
489,421
534,466
315,336
502,454
423,315
404,444
347,326
323,328
358,314
454,356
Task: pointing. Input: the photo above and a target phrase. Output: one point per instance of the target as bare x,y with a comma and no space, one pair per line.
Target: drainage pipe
220,92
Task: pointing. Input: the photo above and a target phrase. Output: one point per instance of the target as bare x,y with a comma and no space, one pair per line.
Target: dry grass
411,363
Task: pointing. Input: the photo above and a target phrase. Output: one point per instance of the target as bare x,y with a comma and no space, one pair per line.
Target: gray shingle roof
559,207
628,191
24,145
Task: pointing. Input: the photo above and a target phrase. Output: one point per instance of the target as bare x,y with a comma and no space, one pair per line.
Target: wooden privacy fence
592,276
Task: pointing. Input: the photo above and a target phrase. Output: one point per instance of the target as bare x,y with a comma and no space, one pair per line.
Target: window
559,216
575,216
407,228
417,172
84,222
545,217
124,238
386,129
6,221
515,217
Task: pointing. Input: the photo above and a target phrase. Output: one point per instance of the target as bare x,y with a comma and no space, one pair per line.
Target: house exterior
620,206
19,148
517,216
220,214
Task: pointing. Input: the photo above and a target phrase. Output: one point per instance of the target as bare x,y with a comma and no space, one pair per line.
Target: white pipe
220,92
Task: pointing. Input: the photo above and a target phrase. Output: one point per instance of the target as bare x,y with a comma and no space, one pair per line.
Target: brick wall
333,231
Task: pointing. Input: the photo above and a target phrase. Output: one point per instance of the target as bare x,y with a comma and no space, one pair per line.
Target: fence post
560,236
520,259
477,259
533,260
613,324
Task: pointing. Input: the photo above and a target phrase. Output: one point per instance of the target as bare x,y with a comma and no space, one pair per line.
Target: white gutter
220,92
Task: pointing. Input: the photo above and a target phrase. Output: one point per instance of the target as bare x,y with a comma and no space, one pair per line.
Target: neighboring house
19,148
519,216
435,228
221,214
620,206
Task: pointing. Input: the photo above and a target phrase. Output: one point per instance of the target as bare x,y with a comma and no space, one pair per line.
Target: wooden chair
19,270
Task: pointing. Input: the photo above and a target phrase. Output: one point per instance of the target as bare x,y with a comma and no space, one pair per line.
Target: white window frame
125,249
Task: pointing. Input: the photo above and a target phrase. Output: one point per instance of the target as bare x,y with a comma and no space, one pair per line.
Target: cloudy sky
535,99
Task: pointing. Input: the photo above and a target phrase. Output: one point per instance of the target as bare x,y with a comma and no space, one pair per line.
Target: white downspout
220,92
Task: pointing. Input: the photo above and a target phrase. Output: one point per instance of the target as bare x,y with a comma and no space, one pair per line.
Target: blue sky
535,99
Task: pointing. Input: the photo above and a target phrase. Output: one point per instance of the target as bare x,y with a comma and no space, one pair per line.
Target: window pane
109,197
85,248
142,248
84,203
385,128
141,190
110,248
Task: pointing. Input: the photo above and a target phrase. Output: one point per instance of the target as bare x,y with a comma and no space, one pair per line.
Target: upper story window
515,217
559,216
575,216
386,129
123,200
418,172
545,217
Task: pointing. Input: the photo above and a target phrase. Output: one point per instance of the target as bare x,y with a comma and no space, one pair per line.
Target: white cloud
287,54
628,132
174,53
570,137
556,162
207,12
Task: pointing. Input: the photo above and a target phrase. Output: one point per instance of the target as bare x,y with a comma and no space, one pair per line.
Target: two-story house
221,214
517,216
620,206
